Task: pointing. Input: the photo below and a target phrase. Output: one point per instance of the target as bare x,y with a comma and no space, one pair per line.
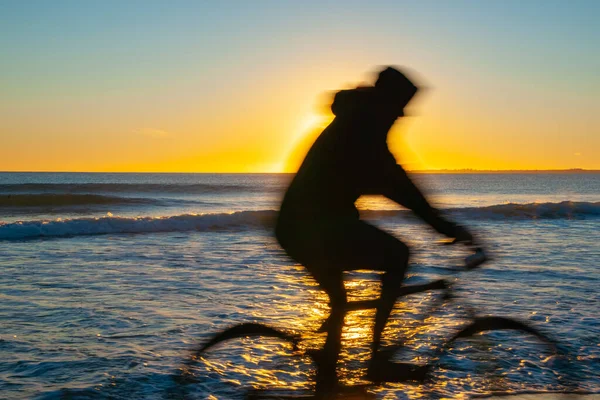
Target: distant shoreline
507,171
415,171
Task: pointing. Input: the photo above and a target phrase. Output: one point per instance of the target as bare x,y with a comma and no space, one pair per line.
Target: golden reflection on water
268,363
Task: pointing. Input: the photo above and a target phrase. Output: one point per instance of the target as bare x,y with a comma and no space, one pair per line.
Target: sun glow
308,131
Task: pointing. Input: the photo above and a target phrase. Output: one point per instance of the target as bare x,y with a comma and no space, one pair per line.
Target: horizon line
419,171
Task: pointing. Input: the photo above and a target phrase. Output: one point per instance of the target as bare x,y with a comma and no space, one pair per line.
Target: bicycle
415,373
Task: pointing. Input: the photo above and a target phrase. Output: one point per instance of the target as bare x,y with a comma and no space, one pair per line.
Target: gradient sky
235,86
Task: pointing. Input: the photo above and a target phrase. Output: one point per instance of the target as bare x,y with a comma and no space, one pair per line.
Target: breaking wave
266,219
112,224
562,210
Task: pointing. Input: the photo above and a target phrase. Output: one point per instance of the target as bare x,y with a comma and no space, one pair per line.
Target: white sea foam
564,209
265,219
113,224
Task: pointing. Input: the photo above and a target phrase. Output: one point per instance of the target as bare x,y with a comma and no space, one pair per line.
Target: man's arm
397,186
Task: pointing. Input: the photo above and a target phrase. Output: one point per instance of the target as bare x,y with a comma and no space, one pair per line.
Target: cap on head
395,87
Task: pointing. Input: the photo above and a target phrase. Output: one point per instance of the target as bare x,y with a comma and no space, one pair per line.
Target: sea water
109,282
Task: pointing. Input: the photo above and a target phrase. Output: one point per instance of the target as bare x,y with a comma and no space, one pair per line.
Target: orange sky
198,91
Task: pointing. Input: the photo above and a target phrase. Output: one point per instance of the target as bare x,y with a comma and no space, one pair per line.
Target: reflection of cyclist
319,226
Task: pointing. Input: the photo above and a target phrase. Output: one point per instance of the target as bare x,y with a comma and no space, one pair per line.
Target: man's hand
462,235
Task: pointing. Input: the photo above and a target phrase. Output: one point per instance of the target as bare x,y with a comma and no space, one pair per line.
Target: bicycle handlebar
474,260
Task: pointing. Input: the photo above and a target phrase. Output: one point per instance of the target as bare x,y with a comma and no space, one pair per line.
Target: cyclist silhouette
319,226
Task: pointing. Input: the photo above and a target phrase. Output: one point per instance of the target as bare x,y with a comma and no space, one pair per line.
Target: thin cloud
153,133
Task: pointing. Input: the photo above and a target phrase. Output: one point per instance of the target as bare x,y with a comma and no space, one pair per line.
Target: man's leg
350,245
358,245
381,368
332,281
321,249
396,264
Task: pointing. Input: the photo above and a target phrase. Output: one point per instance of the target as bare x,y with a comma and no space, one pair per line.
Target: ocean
109,281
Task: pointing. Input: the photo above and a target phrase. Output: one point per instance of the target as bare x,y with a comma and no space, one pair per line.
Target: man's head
395,89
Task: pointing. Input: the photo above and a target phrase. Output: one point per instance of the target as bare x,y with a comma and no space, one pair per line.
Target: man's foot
381,369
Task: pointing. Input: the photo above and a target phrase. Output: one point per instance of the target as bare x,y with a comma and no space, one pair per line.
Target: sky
244,86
